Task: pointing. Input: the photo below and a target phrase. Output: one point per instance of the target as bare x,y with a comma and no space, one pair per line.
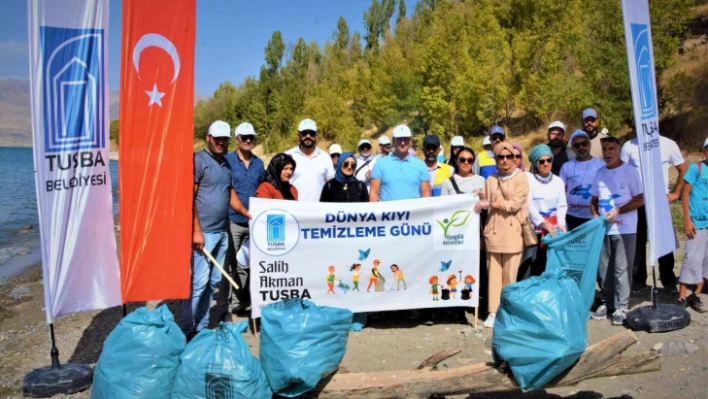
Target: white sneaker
489,323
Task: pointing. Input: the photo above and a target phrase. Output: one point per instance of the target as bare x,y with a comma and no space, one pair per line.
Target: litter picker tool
221,269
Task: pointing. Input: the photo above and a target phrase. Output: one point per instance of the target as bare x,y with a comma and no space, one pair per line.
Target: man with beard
577,175
485,165
365,162
438,171
556,141
314,166
384,146
591,124
399,176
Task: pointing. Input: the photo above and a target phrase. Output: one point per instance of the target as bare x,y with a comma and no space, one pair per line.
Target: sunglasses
248,138
349,165
466,160
581,144
517,156
334,155
385,145
308,133
503,157
497,137
365,147
544,161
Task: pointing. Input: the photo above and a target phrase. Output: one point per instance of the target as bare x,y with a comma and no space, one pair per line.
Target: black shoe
695,303
682,302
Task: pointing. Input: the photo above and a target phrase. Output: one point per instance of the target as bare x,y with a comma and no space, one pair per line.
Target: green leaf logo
458,219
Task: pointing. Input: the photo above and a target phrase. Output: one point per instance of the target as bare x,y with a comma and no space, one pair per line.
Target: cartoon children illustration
467,289
452,283
434,287
398,277
330,280
356,268
374,276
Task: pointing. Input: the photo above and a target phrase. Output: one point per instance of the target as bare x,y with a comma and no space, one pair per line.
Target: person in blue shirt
400,176
247,172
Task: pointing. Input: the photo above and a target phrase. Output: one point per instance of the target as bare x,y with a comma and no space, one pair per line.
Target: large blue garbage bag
301,343
140,357
577,254
218,364
540,328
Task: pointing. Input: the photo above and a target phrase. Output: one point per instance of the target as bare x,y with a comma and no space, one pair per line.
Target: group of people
570,181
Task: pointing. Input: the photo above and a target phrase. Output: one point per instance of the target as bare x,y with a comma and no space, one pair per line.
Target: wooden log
600,360
433,360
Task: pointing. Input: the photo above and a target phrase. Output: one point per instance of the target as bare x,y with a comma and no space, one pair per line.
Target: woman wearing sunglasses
547,203
345,187
507,200
464,181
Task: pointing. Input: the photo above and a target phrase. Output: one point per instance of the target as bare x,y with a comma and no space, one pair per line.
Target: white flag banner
640,55
68,47
368,256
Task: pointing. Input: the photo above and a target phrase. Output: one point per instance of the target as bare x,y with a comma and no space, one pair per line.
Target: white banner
68,47
368,256
640,55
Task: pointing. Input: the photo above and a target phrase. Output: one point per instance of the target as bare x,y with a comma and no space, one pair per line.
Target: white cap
486,141
307,124
363,141
457,141
705,144
220,129
335,149
604,131
578,133
556,125
245,129
401,131
384,140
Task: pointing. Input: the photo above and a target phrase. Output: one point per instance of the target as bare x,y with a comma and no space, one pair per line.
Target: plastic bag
577,254
540,328
140,357
218,364
358,322
301,343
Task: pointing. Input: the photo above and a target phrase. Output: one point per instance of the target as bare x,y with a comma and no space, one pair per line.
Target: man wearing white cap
456,144
556,141
335,150
365,162
670,155
578,175
314,167
384,146
399,176
591,125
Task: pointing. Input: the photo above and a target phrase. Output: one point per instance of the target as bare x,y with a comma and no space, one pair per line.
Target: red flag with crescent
156,129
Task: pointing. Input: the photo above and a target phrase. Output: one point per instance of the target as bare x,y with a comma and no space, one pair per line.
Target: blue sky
231,34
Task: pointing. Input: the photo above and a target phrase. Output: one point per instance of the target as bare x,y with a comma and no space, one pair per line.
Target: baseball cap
431,139
307,124
578,133
556,125
496,129
486,141
245,129
705,144
363,141
589,113
335,149
457,141
401,131
220,129
384,140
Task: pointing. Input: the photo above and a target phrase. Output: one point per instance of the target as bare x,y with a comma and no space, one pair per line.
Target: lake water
18,208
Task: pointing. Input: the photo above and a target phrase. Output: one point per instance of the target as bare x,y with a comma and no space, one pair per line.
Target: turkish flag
156,125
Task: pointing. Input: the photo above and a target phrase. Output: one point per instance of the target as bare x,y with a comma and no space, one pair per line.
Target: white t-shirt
361,175
311,173
670,155
243,256
614,188
577,177
546,201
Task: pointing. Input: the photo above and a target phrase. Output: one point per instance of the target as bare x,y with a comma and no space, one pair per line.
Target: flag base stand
658,317
57,378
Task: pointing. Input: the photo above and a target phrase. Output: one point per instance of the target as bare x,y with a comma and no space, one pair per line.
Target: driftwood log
600,360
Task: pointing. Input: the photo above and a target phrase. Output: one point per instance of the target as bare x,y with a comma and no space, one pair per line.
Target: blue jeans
205,278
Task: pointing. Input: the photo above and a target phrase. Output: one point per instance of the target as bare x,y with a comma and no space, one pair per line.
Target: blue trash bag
577,254
301,343
218,363
540,328
358,322
140,357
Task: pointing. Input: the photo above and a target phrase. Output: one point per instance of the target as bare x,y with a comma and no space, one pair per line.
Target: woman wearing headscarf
547,204
277,179
519,157
345,187
507,200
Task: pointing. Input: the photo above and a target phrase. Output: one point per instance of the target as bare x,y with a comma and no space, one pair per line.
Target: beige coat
502,231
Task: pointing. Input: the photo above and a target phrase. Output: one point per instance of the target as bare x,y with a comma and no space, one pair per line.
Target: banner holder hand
221,269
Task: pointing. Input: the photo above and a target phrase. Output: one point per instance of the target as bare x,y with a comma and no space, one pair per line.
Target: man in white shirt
670,155
578,175
314,166
616,194
365,162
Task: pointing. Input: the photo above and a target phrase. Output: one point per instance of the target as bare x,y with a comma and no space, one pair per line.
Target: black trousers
572,222
666,262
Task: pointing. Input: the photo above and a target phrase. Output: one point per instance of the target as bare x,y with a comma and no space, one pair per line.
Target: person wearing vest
439,172
486,165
